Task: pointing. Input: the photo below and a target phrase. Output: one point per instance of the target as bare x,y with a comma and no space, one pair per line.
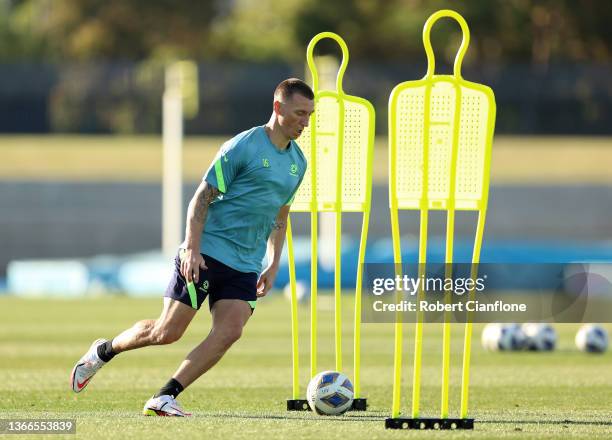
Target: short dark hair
287,88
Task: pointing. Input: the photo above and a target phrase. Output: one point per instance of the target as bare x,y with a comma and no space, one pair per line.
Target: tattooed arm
196,217
275,248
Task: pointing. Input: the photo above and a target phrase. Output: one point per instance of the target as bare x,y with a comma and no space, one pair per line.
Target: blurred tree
18,34
511,31
256,31
540,32
98,29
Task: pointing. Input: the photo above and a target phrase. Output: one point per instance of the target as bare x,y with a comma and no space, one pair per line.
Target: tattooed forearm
202,200
197,212
210,194
277,225
277,237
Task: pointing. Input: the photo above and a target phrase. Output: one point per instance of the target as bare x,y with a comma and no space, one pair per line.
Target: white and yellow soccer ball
503,337
540,337
330,393
592,338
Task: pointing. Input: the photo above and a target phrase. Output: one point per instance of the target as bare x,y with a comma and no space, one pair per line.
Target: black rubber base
297,405
402,423
302,405
360,405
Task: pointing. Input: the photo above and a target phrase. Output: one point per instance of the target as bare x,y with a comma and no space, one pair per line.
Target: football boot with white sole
86,367
164,406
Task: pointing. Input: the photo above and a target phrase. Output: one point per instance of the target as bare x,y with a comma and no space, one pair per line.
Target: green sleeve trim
192,295
219,174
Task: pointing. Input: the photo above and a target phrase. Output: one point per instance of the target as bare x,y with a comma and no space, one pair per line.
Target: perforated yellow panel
440,102
355,135
357,127
302,199
473,146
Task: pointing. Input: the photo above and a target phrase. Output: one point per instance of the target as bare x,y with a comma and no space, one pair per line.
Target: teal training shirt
256,179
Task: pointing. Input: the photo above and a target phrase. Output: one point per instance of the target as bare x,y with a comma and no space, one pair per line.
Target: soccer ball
503,337
540,337
302,292
592,339
330,393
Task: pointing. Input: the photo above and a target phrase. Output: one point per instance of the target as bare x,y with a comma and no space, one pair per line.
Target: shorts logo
293,169
204,287
266,163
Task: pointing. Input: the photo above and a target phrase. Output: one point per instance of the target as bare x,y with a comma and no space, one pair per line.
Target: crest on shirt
266,163
293,169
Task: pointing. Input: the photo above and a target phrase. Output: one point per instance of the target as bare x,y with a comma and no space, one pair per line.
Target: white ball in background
518,337
503,337
490,333
540,337
592,338
302,292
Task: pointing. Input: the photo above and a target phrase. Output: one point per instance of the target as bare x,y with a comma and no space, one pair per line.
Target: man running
242,203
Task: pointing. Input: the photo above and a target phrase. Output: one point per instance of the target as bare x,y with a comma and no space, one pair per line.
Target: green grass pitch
565,394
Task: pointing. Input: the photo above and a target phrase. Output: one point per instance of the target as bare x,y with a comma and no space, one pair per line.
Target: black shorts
217,282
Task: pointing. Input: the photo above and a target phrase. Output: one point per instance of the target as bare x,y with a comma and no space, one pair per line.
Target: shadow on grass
375,417
381,416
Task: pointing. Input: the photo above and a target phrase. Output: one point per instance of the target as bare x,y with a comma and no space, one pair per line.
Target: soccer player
242,203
